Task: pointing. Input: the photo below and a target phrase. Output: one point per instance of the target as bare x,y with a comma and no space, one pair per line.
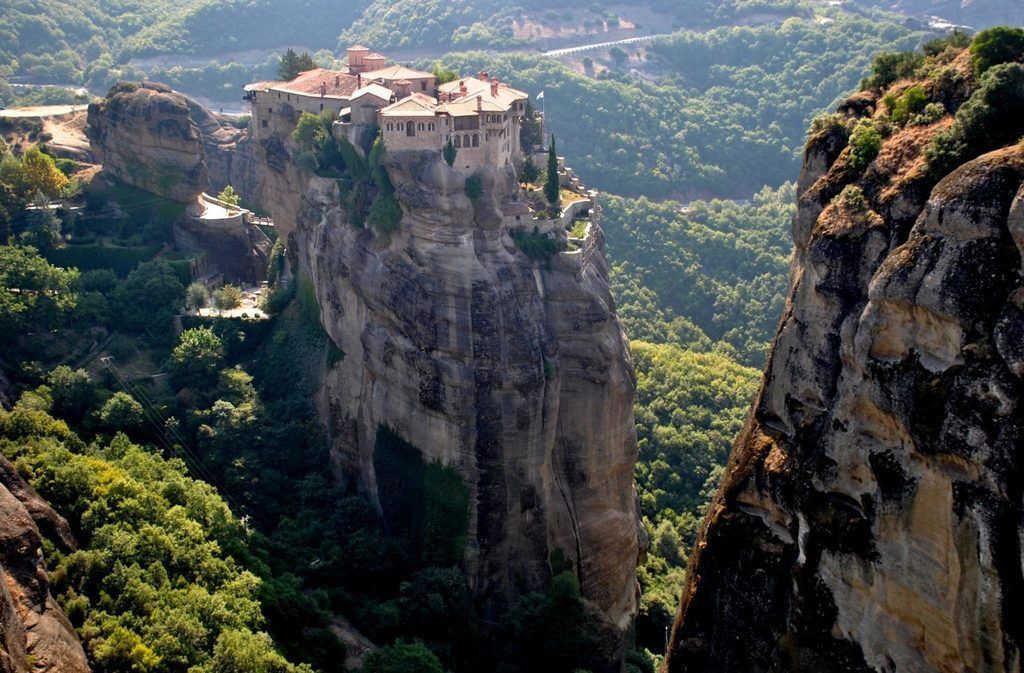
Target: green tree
197,357
444,75
474,187
275,262
72,393
449,153
531,132
42,226
42,174
34,295
148,299
228,195
196,295
242,651
121,413
292,65
402,657
991,47
552,188
530,172
227,297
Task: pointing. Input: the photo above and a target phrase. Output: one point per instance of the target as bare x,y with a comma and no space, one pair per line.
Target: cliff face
35,636
164,142
515,373
870,517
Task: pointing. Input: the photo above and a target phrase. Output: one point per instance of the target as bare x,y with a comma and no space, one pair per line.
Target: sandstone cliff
516,373
870,517
166,143
35,636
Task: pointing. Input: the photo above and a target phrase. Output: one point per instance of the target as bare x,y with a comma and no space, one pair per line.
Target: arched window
458,141
465,140
410,129
476,140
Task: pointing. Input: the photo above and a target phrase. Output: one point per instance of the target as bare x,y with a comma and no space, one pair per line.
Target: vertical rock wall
516,373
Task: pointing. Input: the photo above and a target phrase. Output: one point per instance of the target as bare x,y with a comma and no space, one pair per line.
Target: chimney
359,80
462,87
494,87
479,103
323,88
482,76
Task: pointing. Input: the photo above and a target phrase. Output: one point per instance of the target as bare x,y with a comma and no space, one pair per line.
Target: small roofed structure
390,76
316,91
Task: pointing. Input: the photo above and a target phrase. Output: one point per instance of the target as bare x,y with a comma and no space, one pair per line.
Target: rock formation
144,136
870,516
516,373
166,143
35,636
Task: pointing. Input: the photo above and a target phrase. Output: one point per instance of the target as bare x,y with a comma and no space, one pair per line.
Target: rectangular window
264,123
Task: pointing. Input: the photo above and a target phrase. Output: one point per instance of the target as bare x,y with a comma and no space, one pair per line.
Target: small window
476,140
278,94
289,96
423,86
264,123
270,110
321,107
458,141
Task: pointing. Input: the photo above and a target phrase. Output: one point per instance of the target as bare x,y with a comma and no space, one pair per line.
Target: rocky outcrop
144,136
164,142
35,636
516,373
870,517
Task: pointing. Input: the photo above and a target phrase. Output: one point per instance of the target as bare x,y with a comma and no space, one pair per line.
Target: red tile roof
337,83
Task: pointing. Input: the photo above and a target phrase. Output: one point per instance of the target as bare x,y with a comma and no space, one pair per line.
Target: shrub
385,215
275,262
402,657
227,297
852,198
828,122
474,187
903,108
891,66
277,299
991,118
991,47
196,296
932,113
957,40
865,144
536,245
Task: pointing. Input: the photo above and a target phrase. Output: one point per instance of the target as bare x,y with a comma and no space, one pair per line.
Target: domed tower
357,59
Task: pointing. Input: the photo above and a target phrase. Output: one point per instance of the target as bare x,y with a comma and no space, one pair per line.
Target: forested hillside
726,117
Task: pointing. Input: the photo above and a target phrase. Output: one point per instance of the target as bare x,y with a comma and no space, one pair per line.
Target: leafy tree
148,299
444,75
449,152
531,132
242,651
34,295
903,108
474,187
228,195
227,297
42,174
197,357
275,263
530,172
72,393
552,188
991,47
42,226
891,66
618,54
121,413
402,657
196,295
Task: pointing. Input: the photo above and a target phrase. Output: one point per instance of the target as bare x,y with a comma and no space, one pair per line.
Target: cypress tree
286,71
551,187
